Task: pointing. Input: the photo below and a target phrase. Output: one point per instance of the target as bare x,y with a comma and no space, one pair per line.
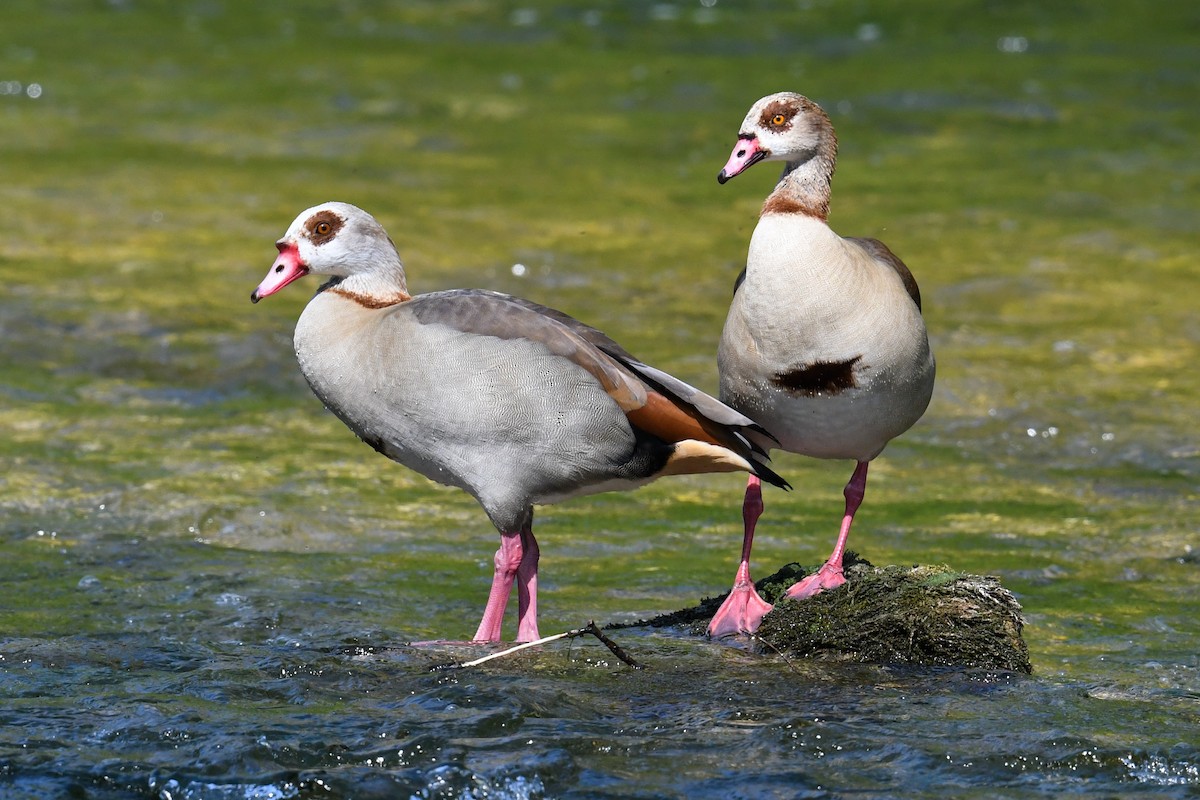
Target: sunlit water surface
208,587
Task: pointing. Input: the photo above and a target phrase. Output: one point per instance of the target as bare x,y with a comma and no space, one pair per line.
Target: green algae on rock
920,615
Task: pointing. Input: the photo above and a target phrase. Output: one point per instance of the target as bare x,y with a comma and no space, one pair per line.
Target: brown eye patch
778,115
323,226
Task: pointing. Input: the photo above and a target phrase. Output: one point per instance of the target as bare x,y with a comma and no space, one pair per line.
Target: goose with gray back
515,403
824,344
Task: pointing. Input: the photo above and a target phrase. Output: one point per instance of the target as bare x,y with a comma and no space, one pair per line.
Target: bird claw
829,576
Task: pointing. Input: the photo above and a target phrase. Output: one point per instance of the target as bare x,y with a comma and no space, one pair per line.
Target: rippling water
208,587
260,715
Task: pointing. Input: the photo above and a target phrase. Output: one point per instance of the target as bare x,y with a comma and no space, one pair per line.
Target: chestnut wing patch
820,377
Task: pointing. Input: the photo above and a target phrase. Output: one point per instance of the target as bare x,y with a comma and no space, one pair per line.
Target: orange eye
778,119
322,229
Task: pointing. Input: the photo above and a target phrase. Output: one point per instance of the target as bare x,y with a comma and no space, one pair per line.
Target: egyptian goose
824,344
513,402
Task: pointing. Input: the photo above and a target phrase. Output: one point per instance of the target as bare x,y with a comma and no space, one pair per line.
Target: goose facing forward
824,344
511,401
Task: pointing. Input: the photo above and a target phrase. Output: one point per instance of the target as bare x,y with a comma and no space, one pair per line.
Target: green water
207,583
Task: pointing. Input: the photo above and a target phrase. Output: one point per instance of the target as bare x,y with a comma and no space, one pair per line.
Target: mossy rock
928,616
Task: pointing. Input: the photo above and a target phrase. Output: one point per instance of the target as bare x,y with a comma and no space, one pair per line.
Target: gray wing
881,253
502,316
626,379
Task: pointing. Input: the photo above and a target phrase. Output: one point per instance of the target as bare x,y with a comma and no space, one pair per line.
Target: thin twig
589,629
757,638
515,648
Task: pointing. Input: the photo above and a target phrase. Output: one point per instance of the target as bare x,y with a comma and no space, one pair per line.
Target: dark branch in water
610,644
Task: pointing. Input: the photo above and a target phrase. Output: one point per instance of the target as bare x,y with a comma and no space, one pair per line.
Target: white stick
515,648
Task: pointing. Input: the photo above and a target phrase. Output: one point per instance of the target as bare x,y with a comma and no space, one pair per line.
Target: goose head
781,127
338,240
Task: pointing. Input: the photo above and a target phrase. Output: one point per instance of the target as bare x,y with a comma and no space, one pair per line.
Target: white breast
811,298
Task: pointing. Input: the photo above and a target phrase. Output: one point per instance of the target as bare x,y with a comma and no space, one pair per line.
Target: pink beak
287,268
746,153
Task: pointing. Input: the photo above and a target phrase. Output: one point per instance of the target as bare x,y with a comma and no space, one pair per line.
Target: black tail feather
770,476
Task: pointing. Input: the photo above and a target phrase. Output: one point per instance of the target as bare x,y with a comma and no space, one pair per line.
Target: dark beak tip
722,177
254,298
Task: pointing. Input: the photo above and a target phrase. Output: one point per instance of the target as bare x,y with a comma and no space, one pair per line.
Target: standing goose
824,344
511,401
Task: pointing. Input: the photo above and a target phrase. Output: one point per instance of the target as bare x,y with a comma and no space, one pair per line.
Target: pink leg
527,628
508,562
830,576
743,610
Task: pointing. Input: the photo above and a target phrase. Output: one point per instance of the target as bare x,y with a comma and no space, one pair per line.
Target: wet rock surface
918,615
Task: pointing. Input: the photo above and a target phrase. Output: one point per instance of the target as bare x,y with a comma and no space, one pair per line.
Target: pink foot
527,627
516,561
829,576
742,612
743,609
